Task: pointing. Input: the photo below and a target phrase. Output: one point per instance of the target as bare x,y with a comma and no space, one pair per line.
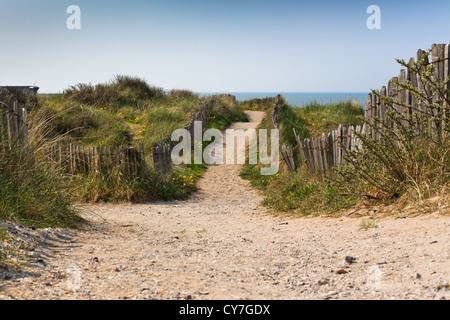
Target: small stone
202,293
322,282
433,242
418,276
381,262
443,287
341,271
350,259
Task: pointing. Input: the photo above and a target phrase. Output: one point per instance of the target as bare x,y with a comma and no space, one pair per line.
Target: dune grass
30,193
127,111
303,192
118,113
323,118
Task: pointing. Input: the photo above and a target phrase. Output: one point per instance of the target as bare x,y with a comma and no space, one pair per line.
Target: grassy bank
127,111
303,192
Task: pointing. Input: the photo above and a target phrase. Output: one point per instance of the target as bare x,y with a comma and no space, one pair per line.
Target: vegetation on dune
124,112
408,164
121,91
322,118
304,192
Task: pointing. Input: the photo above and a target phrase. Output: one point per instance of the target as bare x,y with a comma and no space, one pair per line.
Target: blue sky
209,46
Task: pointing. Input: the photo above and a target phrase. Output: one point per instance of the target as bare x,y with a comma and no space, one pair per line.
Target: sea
300,99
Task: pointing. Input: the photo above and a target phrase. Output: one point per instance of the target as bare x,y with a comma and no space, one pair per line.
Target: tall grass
29,192
323,118
121,90
146,187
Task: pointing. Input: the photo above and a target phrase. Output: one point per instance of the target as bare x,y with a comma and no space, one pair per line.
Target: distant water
300,99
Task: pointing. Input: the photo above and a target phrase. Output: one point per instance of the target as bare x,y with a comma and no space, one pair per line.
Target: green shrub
412,158
182,94
119,91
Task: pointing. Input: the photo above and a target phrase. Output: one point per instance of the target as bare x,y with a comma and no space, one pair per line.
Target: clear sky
212,45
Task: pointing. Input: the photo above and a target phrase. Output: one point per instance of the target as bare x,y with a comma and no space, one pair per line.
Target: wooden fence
76,159
324,152
161,155
13,122
407,104
328,151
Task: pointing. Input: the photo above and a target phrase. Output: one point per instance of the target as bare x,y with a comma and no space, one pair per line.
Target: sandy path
222,244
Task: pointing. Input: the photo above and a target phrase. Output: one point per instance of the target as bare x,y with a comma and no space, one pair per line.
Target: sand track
221,244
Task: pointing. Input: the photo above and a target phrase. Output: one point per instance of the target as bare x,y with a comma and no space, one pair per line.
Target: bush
412,157
182,94
119,91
